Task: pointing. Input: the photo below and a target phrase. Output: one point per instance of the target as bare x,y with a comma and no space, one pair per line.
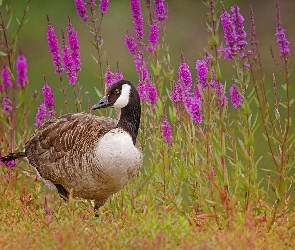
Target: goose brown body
63,151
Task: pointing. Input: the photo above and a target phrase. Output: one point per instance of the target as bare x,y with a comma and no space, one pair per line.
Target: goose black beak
103,103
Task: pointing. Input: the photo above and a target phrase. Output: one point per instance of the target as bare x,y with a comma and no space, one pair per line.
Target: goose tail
13,156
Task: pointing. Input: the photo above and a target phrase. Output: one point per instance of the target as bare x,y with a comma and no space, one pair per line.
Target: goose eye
117,91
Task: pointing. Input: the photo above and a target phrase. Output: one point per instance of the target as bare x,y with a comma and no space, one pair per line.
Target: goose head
118,95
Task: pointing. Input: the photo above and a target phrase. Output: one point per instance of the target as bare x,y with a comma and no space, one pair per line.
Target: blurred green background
185,32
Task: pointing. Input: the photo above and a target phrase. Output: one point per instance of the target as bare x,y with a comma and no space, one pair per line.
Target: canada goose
94,157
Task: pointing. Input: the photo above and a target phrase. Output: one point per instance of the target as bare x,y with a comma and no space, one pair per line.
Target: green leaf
97,91
3,53
9,21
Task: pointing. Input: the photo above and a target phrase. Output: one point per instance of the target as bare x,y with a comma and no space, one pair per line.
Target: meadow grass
198,187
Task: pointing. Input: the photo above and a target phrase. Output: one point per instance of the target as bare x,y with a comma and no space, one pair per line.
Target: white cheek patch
123,99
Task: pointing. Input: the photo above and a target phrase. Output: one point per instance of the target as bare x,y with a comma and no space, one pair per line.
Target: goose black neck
130,118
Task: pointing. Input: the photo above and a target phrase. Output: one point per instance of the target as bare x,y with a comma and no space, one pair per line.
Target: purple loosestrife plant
81,9
104,6
69,65
160,10
48,99
282,42
147,92
193,106
202,72
22,71
234,32
74,46
109,75
6,103
235,97
5,78
131,45
41,115
153,37
137,18
166,130
54,48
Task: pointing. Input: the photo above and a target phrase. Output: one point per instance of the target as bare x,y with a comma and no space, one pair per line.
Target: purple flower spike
166,130
184,77
104,6
48,99
282,42
194,108
176,94
137,18
160,10
5,79
9,164
81,9
41,115
131,45
153,37
236,97
6,103
147,92
46,209
54,49
109,76
202,72
234,32
74,46
22,71
238,20
69,65
119,76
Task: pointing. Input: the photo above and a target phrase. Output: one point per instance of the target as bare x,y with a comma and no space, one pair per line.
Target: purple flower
54,49
220,93
194,108
240,34
166,130
234,32
131,45
202,72
48,99
46,209
184,77
69,65
141,66
153,37
160,10
147,92
5,78
92,2
74,46
9,164
22,71
119,76
109,75
6,103
236,97
282,42
81,9
104,6
41,115
137,18
176,94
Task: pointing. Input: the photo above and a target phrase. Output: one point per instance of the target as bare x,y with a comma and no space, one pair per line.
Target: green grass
139,223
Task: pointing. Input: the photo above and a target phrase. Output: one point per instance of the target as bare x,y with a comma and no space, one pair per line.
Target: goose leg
97,204
63,193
